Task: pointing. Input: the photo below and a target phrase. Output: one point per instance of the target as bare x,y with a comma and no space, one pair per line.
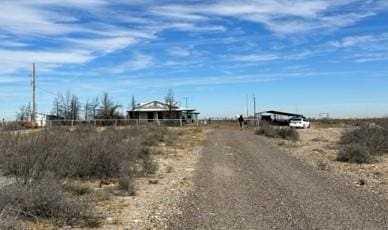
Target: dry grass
47,165
319,147
285,133
158,194
363,143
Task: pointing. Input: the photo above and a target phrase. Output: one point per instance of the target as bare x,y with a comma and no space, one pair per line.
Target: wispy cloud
279,16
179,52
359,40
364,48
22,59
254,57
138,62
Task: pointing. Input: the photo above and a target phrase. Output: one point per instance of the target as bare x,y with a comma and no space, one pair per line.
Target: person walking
241,122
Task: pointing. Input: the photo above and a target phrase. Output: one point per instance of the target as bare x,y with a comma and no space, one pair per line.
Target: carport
277,117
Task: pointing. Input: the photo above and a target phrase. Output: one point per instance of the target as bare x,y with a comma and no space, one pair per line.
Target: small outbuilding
277,117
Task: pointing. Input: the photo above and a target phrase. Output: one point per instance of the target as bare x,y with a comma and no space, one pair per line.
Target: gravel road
245,182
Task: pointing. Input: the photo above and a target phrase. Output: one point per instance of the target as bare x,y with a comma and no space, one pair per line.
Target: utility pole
33,84
254,105
247,105
186,98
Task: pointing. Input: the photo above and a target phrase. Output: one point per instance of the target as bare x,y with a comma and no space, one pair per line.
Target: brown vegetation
277,132
362,144
44,162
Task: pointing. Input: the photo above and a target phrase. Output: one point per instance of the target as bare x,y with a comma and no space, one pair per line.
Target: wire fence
210,122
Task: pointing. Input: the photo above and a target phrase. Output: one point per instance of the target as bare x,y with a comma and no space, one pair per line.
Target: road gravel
245,182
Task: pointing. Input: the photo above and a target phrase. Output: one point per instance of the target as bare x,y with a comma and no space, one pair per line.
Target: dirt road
244,182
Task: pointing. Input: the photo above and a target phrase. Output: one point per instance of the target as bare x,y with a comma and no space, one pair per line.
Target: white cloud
138,62
255,57
192,27
179,52
177,12
358,40
104,45
277,15
21,59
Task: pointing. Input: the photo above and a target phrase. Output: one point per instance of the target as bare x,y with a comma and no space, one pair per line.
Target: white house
157,110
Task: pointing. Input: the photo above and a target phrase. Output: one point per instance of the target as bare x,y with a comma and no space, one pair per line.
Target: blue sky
306,56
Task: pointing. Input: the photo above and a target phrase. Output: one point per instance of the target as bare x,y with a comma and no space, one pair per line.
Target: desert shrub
12,126
11,223
354,153
127,183
266,129
41,199
288,134
84,152
363,143
59,153
149,165
274,132
77,189
154,134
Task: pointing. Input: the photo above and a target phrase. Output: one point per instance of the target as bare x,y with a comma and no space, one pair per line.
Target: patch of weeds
149,165
288,134
78,189
91,222
41,199
127,184
354,153
275,132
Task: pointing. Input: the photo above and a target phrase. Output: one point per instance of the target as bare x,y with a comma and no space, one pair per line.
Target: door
150,116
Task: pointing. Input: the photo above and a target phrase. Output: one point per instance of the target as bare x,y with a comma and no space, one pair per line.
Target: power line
46,91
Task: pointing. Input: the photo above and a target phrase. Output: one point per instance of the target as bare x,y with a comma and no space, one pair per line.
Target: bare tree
169,99
91,108
56,104
24,112
74,107
108,109
67,107
86,110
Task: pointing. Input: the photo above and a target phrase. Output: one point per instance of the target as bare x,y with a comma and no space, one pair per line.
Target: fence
116,122
211,122
222,122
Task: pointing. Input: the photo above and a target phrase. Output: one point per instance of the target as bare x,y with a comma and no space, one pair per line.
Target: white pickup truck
299,122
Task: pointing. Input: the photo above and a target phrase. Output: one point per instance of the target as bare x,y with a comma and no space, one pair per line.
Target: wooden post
180,122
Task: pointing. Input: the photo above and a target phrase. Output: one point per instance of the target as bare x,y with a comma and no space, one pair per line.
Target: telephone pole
247,106
33,84
186,98
254,105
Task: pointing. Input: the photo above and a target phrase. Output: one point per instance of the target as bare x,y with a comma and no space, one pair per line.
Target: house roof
158,106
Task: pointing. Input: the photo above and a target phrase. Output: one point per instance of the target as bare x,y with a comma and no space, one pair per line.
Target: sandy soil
157,196
318,147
